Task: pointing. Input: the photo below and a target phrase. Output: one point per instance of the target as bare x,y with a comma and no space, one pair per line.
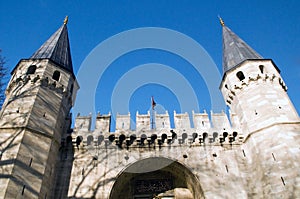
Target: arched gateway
156,177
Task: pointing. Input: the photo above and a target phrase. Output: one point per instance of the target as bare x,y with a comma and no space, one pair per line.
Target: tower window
71,89
23,189
31,70
261,68
240,75
56,75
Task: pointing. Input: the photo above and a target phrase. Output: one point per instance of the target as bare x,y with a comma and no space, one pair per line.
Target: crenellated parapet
215,131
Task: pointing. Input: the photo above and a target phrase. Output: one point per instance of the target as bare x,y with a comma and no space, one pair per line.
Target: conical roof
57,49
235,50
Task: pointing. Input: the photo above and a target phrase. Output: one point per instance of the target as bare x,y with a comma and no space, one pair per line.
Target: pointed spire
235,50
57,48
66,20
221,21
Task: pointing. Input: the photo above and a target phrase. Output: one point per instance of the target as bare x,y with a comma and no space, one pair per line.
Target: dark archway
152,176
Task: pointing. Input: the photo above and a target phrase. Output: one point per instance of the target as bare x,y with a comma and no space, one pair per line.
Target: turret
252,86
35,116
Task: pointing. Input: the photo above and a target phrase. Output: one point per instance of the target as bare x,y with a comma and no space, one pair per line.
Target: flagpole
153,104
152,119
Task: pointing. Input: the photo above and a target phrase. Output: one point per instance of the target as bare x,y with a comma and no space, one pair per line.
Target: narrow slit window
71,89
244,153
23,190
282,181
273,157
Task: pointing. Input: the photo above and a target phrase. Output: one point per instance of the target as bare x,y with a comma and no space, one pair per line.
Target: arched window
56,75
240,75
31,70
261,68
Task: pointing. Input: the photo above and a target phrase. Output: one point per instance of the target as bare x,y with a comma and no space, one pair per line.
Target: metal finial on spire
221,21
66,20
57,49
235,50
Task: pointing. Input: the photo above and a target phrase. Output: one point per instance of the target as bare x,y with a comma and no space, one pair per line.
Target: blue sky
270,27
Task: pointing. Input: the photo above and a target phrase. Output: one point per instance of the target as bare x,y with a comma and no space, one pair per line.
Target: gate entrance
156,178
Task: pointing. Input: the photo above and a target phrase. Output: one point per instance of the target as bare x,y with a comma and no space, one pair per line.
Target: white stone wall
265,165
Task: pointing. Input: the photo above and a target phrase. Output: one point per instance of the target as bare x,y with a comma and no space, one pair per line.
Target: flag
153,103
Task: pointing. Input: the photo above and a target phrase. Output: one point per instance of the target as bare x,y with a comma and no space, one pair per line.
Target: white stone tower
257,96
252,86
35,115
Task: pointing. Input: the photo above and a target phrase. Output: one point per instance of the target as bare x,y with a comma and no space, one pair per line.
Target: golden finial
66,20
221,21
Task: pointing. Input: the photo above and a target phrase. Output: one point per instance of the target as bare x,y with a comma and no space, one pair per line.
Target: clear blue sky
270,27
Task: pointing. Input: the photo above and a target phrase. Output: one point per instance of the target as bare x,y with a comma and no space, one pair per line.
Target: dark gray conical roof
57,49
235,50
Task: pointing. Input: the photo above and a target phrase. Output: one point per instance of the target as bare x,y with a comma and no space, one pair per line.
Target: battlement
146,122
215,131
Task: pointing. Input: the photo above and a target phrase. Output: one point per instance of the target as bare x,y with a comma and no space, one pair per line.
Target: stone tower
35,115
252,86
257,96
